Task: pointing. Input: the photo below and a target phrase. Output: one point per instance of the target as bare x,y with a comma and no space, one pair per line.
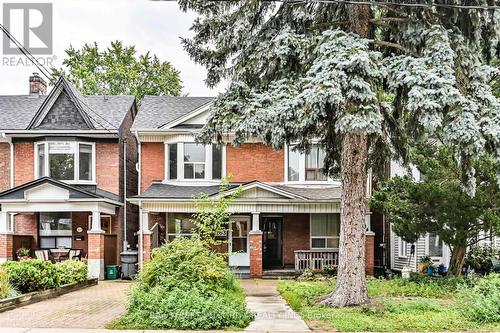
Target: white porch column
6,237
368,222
144,237
5,225
255,221
96,247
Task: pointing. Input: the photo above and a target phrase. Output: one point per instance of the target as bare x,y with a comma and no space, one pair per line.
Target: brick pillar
256,254
147,246
6,243
369,253
96,254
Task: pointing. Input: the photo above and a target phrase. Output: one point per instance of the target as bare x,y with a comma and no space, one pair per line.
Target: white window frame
311,237
180,163
76,151
302,169
402,248
107,217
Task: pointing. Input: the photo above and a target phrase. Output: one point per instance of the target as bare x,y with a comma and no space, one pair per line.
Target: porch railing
315,259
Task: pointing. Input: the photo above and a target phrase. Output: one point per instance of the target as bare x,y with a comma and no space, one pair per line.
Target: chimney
37,85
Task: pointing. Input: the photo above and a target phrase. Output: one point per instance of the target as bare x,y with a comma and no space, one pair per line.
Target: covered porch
52,218
272,229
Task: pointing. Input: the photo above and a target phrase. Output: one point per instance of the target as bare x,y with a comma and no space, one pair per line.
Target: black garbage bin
129,260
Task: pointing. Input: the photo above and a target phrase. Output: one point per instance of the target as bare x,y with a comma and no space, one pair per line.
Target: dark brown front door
272,254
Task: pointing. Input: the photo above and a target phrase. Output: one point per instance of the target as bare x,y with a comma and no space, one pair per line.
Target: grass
397,305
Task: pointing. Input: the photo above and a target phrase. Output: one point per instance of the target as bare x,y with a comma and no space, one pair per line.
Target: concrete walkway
272,312
91,307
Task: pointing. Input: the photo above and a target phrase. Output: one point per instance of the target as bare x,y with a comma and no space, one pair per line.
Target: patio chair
42,255
75,254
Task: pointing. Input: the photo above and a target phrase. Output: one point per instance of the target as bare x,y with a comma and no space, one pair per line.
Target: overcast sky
154,26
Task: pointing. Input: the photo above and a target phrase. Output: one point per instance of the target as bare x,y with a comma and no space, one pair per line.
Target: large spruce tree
366,80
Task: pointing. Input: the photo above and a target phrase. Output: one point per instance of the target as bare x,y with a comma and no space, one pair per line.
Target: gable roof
17,193
159,190
157,111
24,112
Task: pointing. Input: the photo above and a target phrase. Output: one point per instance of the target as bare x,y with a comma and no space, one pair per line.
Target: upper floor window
193,161
65,160
306,167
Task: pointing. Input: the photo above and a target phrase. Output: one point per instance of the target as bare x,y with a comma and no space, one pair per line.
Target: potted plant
442,270
424,263
429,268
23,254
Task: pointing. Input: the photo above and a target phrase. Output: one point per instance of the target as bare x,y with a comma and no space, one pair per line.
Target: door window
239,239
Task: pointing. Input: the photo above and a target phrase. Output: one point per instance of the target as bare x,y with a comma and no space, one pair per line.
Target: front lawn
397,305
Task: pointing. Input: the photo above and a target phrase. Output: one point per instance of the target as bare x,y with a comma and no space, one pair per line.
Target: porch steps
283,274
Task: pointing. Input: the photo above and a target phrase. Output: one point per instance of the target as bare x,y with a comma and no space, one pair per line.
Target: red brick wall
4,166
24,163
26,224
152,163
256,255
6,243
295,236
107,166
255,161
369,254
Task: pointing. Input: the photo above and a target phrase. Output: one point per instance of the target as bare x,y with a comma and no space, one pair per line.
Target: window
179,224
402,248
55,230
306,167
315,163
194,161
325,231
435,246
239,231
216,161
69,161
172,161
293,165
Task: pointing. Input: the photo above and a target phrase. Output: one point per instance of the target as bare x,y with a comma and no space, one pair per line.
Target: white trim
266,187
187,116
24,206
402,245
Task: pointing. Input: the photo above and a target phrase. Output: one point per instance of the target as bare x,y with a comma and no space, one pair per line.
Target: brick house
67,163
287,217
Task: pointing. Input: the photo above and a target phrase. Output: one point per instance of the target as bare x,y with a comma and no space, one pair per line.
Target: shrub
479,258
6,289
481,302
186,286
32,275
72,271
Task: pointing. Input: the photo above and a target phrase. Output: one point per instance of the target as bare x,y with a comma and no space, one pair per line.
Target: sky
154,26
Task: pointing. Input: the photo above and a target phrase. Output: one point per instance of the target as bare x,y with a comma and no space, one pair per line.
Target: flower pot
430,271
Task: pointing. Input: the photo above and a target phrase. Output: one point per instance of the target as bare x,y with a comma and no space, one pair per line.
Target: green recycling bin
111,272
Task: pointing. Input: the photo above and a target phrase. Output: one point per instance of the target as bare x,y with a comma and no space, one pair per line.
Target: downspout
125,243
11,163
141,237
138,166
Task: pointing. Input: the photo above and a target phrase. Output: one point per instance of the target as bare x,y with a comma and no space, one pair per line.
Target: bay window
55,230
194,161
65,160
325,231
306,167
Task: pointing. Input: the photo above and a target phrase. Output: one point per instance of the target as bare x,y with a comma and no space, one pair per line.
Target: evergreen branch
389,45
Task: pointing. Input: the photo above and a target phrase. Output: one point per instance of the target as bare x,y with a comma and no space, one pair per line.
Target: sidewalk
272,312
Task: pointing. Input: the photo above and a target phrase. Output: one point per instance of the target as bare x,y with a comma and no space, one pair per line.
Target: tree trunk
457,259
351,281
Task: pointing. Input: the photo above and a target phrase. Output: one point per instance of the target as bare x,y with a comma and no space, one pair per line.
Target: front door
238,246
271,241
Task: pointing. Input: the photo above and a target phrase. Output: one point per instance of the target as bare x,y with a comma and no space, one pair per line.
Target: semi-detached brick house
288,215
65,161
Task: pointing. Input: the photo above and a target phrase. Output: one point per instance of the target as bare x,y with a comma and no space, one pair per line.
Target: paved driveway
91,307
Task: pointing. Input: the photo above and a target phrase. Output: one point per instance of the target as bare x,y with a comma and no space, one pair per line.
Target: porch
55,217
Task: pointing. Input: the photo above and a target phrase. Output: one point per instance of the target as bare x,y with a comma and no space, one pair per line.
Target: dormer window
306,167
65,160
194,161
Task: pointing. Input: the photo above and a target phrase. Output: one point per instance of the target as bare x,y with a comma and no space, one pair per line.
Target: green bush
186,286
479,258
72,271
6,289
32,275
482,301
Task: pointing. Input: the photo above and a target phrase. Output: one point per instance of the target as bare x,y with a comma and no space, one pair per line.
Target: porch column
369,246
6,237
96,247
255,247
144,238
